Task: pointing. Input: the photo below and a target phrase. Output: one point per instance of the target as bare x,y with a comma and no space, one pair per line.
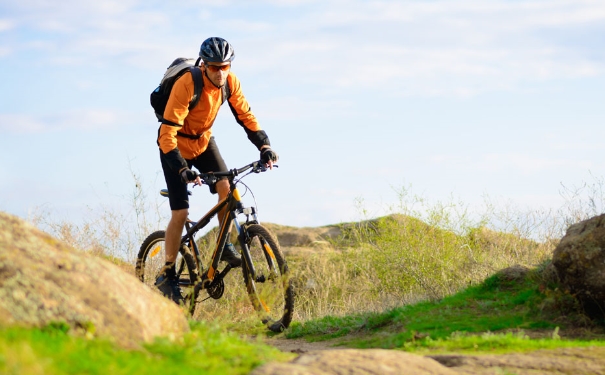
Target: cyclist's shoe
169,288
231,256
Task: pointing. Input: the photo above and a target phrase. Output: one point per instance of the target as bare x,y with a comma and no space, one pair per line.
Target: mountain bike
264,268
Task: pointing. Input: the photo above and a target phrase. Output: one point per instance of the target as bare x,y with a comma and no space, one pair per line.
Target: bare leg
230,254
222,188
174,232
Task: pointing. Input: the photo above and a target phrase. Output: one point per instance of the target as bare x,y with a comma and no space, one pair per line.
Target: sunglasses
216,68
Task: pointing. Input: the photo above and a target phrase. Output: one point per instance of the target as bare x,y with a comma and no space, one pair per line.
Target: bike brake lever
263,168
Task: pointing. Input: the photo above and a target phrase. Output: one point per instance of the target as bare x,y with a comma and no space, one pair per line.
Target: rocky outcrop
579,260
44,281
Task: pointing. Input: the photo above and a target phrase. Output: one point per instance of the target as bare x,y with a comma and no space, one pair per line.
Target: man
185,141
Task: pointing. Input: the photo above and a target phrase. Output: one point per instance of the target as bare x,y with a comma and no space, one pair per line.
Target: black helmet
216,49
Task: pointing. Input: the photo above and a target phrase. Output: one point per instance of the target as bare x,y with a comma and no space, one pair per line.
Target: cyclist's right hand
187,176
268,156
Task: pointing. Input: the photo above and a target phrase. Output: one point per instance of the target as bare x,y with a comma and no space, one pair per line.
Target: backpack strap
226,90
198,85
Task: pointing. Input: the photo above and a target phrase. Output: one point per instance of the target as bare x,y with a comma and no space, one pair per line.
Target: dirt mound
292,240
303,237
43,281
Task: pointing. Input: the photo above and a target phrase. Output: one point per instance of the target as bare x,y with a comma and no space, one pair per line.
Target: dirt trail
300,346
589,360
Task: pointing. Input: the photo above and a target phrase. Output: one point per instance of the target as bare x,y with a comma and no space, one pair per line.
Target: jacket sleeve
243,114
176,110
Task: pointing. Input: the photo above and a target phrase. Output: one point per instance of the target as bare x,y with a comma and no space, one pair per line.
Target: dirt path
300,346
589,360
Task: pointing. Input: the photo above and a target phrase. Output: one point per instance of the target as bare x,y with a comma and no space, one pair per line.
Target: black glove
187,175
267,154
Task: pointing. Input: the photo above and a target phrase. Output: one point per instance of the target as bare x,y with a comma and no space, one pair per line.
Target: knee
222,188
179,216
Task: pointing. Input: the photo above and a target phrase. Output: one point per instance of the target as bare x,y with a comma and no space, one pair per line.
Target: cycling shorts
208,161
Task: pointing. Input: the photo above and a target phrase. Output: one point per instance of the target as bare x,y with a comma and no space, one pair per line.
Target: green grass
517,342
206,349
493,316
359,292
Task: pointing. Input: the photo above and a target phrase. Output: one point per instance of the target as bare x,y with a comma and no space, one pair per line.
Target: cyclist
185,141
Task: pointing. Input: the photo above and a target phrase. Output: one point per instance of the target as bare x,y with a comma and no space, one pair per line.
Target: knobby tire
271,292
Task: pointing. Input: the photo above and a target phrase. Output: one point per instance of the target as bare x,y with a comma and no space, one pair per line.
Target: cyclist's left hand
268,156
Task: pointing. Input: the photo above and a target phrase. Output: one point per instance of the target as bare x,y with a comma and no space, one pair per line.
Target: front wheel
267,278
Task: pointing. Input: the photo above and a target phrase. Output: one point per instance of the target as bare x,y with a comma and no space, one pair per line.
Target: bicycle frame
234,207
267,282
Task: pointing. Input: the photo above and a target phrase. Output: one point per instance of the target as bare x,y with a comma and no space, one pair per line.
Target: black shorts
209,161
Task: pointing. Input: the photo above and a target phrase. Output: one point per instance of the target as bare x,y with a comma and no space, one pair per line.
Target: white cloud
453,48
6,25
438,48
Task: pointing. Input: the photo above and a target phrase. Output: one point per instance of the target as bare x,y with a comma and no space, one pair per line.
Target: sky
504,99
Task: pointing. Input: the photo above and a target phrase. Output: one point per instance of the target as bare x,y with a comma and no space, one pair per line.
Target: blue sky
359,98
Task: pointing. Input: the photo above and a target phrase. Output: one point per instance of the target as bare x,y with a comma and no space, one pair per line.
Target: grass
496,316
418,280
499,315
397,260
207,349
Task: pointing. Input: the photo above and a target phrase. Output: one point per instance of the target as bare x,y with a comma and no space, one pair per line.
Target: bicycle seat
164,193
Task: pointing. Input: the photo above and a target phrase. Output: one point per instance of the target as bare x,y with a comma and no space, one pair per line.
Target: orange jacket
201,118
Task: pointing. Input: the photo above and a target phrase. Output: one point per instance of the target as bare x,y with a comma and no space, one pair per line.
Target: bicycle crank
216,289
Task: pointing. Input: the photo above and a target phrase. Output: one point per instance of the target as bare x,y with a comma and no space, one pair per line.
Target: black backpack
159,96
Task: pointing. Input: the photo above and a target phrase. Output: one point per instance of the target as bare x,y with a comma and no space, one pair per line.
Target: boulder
516,273
356,362
579,260
44,281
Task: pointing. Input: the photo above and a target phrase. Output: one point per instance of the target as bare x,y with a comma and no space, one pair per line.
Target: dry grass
421,250
113,232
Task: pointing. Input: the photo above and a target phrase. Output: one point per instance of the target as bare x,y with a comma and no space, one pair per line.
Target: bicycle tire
151,259
271,292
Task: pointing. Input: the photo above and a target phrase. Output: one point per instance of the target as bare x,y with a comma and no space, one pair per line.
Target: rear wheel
270,287
151,260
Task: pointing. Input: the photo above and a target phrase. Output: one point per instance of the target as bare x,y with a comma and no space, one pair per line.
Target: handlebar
211,177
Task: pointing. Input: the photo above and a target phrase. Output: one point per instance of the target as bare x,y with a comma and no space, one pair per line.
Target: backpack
159,96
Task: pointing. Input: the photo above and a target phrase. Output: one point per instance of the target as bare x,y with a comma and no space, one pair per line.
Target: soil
300,346
586,360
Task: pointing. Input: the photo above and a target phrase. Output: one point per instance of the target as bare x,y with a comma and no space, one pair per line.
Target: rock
43,281
356,362
579,260
516,273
